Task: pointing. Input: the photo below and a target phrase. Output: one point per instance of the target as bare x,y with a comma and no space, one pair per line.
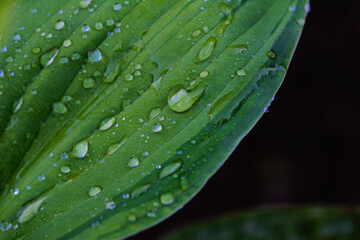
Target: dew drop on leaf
182,100
157,128
84,4
93,191
170,169
67,43
134,162
59,25
107,123
80,149
88,82
167,198
65,169
30,210
59,107
131,218
206,50
5,226
94,56
48,58
117,7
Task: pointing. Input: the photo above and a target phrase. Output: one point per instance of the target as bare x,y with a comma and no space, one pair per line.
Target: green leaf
113,116
277,224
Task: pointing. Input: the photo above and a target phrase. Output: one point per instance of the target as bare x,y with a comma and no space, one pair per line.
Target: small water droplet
241,72
84,4
98,26
140,190
113,148
16,191
271,54
18,104
204,74
65,169
170,169
88,82
94,56
36,50
41,177
196,33
17,37
107,123
67,43
167,198
129,77
154,112
134,162
157,128
110,205
2,73
5,226
94,191
110,22
59,25
48,58
75,56
131,218
85,28
59,107
80,149
117,7
151,214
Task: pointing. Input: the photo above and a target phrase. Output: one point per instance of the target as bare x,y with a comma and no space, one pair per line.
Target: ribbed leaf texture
113,114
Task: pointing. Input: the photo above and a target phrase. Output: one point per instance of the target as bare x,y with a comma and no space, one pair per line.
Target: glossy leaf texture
113,114
277,224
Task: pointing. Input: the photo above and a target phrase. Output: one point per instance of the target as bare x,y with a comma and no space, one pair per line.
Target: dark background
306,150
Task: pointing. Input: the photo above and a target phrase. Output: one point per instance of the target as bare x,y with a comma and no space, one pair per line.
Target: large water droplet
134,162
206,50
48,58
182,100
94,191
140,190
94,56
59,25
157,128
88,82
167,198
170,169
84,4
107,123
59,107
30,210
80,149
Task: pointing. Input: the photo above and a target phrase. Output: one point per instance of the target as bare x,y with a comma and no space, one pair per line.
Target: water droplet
107,123
64,60
170,169
140,190
80,149
154,112
94,191
113,148
241,72
98,26
196,33
17,37
67,43
16,191
117,7
2,73
65,169
157,128
206,50
204,74
41,177
30,210
129,77
110,205
131,218
75,56
48,58
182,100
84,4
138,66
184,183
271,54
110,22
88,82
85,28
167,198
36,50
151,214
59,107
18,104
5,226
206,29
59,25
94,56
134,162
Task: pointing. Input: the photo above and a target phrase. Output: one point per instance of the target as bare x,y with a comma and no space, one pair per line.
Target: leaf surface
123,113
